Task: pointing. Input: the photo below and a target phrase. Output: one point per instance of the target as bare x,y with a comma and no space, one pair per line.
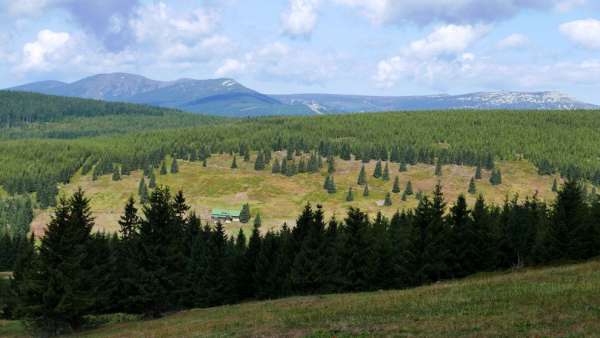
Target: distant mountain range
227,97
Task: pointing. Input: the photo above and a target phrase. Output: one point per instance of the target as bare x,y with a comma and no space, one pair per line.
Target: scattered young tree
388,200
366,191
234,163
163,168
408,190
275,167
386,172
350,195
438,168
116,176
554,185
472,187
403,167
330,185
152,182
260,162
330,165
478,172
362,176
257,220
378,172
245,213
143,191
496,177
396,187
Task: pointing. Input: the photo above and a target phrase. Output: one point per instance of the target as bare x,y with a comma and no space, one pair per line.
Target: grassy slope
557,301
280,199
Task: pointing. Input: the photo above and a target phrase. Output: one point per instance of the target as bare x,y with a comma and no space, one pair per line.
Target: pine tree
152,183
350,195
366,191
388,200
496,178
247,155
386,172
275,168
403,167
555,185
204,163
143,191
245,213
260,162
438,168
57,295
478,172
378,171
396,187
257,220
472,187
357,252
116,176
174,166
408,190
234,163
362,176
163,168
330,165
331,189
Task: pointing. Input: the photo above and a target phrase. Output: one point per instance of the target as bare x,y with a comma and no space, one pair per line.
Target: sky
371,47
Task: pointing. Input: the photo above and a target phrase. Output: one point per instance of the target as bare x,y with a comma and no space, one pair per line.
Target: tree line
163,259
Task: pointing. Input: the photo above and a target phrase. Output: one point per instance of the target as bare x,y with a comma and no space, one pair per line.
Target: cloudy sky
378,47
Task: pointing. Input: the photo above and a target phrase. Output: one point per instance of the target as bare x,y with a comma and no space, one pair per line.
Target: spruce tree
350,195
152,183
357,252
247,155
472,187
378,170
362,176
408,190
438,168
163,168
275,168
388,200
116,176
386,172
234,163
143,191
396,187
257,220
366,191
260,162
554,185
218,289
496,177
331,189
245,213
284,167
478,172
204,163
330,165
174,166
60,291
403,167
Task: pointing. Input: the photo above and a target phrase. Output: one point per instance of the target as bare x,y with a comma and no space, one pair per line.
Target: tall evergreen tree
386,172
350,195
362,176
388,200
396,187
245,213
472,187
357,252
377,173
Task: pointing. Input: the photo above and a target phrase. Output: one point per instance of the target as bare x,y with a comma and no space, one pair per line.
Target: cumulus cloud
585,33
45,51
423,12
279,62
513,41
424,58
300,18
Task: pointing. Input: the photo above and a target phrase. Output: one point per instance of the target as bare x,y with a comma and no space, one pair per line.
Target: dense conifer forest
163,259
97,137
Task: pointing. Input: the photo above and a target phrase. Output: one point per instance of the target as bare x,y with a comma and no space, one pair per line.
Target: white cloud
567,5
300,18
45,52
159,24
230,67
424,12
585,33
513,41
425,59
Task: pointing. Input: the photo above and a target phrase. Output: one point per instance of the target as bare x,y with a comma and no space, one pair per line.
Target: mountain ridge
227,97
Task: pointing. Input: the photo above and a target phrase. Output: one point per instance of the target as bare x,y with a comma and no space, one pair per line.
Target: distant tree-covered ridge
37,157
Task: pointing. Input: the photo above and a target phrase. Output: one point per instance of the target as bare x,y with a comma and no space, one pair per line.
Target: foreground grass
280,199
556,301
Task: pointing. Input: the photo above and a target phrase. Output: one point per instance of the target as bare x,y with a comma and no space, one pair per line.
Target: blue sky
375,47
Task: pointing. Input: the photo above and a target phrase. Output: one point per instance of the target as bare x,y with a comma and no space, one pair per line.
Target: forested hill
19,108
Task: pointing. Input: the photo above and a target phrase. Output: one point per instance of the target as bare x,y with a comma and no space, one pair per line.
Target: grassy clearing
548,302
279,199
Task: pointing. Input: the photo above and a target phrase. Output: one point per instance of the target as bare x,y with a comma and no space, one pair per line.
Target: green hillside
551,302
